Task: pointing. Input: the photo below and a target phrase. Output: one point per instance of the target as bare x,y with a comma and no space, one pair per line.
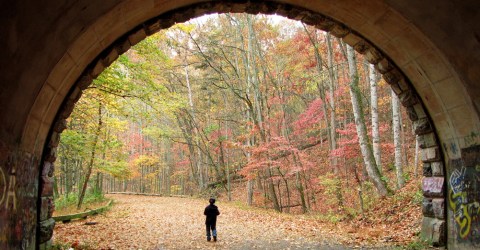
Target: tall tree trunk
331,96
271,190
332,127
250,182
397,140
298,183
365,146
375,128
198,163
55,187
92,156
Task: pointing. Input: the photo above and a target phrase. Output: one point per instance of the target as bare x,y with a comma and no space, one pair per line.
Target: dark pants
213,228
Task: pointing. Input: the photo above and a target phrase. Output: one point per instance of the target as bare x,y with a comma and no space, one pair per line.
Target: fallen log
83,215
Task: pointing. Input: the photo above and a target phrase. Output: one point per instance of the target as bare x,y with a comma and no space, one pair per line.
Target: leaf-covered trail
145,222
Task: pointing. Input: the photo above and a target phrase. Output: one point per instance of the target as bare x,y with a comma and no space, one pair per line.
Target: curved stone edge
434,226
69,217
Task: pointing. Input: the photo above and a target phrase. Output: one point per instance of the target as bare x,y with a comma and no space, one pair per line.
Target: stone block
54,139
75,94
433,230
408,98
433,186
439,230
205,9
241,7
427,169
393,77
419,111
47,169
339,30
325,24
60,125
437,169
270,9
312,18
84,81
362,46
152,27
427,208
384,65
67,109
404,85
47,207
219,7
166,22
438,206
295,14
46,186
427,140
256,7
46,230
411,113
97,68
352,39
185,15
422,126
430,154
51,154
122,45
137,36
396,88
110,57
373,56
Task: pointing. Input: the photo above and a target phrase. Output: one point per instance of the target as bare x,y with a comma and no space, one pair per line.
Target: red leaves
310,119
275,153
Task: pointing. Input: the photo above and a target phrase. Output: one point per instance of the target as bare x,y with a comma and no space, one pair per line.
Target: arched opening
435,66
383,64
198,60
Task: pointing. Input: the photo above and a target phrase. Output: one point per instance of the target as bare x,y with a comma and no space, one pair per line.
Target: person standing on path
211,211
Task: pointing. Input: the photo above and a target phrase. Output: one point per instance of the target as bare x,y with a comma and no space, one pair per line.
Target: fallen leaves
144,222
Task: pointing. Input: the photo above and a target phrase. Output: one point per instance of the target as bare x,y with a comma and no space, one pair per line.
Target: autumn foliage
251,109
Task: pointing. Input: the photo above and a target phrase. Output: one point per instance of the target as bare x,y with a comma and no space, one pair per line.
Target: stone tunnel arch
427,78
391,73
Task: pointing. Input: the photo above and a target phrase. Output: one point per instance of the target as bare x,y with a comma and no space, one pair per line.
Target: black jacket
211,211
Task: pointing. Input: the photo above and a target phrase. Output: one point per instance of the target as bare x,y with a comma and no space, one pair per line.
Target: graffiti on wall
8,197
18,200
464,195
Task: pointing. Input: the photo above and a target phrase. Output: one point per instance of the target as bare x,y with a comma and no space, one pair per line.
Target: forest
260,110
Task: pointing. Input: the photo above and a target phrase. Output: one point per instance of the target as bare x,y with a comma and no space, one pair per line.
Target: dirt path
143,222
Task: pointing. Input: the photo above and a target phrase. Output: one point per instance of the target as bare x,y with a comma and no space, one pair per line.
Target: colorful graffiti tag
465,210
464,195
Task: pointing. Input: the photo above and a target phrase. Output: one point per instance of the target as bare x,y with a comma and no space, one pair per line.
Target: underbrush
385,221
68,204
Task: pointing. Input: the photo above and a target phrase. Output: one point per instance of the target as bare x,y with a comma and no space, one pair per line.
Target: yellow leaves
145,160
185,27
